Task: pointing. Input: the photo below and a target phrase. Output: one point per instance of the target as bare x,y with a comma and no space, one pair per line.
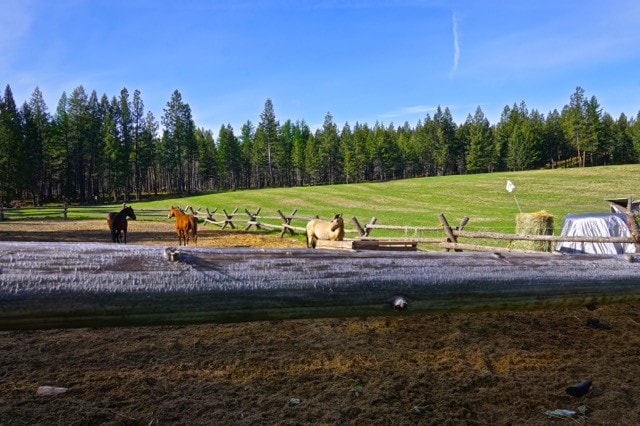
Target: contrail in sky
456,46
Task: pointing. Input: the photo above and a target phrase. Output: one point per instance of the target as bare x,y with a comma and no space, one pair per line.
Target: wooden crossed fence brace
253,219
286,222
364,232
229,218
451,238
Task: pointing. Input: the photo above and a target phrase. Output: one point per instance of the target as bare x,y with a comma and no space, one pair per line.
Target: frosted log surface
52,285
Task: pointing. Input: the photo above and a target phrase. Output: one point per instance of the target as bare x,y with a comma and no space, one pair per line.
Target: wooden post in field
359,228
64,210
368,228
451,238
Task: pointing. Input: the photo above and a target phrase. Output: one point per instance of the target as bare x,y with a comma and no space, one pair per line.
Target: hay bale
538,223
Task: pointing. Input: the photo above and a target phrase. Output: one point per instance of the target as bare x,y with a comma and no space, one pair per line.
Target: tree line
98,149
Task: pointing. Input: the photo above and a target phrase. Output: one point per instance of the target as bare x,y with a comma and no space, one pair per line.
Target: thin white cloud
409,110
456,47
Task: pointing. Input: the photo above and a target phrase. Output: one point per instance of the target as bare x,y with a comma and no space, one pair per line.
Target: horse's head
129,212
172,212
337,222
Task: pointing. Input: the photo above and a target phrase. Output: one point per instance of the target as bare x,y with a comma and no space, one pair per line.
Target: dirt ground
493,368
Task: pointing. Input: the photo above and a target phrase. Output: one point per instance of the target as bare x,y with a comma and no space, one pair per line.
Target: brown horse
325,230
117,223
184,224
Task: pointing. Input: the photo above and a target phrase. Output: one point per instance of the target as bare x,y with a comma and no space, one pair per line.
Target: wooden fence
441,236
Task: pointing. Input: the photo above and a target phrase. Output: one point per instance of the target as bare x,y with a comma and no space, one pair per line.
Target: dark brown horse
117,223
184,224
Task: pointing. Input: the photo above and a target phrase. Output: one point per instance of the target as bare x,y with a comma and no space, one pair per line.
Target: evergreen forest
98,149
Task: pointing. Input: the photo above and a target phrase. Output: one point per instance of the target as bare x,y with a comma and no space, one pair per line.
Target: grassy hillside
415,202
482,197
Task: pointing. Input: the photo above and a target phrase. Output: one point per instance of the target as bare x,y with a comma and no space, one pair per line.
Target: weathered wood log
54,285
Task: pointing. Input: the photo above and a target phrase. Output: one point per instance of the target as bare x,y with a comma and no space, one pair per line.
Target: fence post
1,212
368,228
358,226
64,210
447,230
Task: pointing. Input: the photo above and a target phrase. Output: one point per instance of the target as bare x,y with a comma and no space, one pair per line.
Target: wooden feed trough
368,244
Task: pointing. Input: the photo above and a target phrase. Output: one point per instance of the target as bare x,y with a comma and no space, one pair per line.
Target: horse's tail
311,236
110,217
194,228
114,233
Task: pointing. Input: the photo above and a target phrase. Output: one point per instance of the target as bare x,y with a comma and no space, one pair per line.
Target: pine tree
148,154
228,159
179,143
328,147
554,143
592,129
116,155
138,126
42,122
62,169
246,147
347,154
32,158
11,141
574,118
300,137
270,131
621,149
207,160
361,155
481,156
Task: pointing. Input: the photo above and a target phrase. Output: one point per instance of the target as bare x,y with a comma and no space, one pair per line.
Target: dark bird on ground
579,389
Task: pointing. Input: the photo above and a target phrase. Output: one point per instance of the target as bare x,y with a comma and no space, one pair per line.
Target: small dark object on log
579,389
597,324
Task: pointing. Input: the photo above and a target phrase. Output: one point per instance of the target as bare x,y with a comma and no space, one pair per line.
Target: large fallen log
54,285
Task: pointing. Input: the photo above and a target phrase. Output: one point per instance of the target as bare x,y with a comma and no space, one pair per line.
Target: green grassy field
417,202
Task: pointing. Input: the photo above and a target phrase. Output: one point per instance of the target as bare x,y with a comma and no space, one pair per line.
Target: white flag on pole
510,186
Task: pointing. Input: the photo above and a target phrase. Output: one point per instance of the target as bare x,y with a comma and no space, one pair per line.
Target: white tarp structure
595,225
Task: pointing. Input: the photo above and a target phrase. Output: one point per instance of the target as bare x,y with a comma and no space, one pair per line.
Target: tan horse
184,224
332,230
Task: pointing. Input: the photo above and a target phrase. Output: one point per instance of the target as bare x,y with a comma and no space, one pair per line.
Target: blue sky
360,60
